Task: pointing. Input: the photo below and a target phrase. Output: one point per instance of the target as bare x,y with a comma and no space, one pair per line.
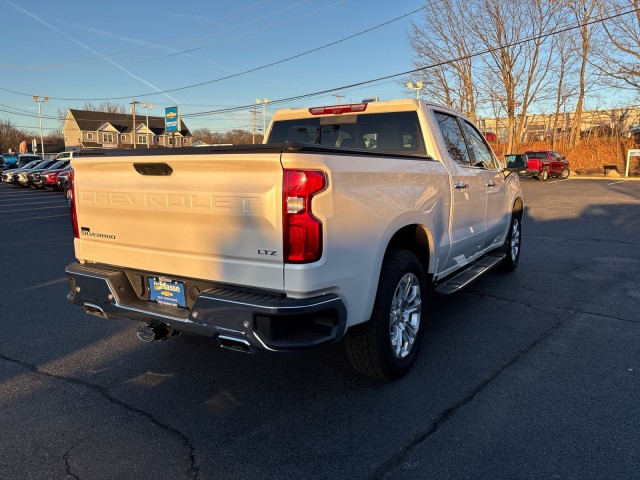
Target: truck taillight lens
74,214
302,231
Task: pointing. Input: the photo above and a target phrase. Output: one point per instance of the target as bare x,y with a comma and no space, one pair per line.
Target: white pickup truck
340,225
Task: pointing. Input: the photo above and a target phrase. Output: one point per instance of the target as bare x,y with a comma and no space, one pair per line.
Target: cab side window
453,138
482,155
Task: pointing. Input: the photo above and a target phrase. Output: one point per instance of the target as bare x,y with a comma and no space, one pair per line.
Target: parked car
34,176
543,164
49,178
61,182
64,184
7,175
11,161
21,179
490,136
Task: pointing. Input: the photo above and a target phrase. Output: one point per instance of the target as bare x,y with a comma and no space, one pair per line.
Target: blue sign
171,119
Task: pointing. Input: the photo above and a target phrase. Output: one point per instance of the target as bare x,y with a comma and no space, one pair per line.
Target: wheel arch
416,239
518,206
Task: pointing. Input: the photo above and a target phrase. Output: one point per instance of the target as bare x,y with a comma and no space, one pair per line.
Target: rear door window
453,138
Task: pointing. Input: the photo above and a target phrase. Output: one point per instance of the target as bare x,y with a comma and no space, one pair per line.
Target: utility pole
254,111
147,107
133,111
264,102
338,97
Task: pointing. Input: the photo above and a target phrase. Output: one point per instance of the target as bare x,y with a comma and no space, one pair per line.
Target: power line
421,69
234,75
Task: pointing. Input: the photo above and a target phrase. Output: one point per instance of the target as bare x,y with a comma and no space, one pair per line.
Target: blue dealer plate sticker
167,292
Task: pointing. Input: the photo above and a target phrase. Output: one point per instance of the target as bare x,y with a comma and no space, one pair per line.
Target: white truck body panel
207,220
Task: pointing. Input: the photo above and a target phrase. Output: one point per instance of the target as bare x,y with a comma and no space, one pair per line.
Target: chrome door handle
460,185
491,184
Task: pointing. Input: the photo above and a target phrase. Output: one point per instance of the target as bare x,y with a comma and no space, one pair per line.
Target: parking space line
34,218
23,194
4,204
32,209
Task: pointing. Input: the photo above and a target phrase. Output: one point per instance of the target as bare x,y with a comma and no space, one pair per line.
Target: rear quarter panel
368,200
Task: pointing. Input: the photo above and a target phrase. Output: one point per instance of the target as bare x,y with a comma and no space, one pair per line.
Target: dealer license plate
167,292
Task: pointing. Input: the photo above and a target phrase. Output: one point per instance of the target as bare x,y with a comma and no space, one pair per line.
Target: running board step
469,274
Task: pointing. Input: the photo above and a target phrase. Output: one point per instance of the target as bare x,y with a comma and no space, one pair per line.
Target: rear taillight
302,231
72,205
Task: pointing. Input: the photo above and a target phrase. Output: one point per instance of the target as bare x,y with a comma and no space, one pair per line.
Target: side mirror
516,162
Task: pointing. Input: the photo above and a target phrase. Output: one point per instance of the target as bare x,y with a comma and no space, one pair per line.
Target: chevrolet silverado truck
543,164
339,226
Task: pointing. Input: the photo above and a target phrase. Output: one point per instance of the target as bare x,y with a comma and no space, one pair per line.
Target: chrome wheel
514,240
404,320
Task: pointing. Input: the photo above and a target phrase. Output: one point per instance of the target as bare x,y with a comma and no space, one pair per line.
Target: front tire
512,244
565,173
68,195
386,347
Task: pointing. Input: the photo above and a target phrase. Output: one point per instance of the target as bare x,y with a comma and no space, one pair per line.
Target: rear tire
544,175
387,346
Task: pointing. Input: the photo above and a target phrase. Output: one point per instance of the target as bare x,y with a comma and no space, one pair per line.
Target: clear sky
179,53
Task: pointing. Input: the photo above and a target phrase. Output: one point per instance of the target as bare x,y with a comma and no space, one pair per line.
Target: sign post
630,153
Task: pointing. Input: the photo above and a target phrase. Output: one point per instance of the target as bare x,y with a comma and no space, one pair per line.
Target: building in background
91,129
621,122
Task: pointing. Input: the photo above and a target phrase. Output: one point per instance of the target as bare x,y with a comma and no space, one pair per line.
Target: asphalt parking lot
534,374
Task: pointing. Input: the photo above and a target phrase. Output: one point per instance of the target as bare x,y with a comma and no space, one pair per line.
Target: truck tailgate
206,216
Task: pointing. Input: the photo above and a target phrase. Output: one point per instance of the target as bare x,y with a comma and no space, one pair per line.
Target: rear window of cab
396,132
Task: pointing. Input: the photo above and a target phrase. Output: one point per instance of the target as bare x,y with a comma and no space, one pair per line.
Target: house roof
91,121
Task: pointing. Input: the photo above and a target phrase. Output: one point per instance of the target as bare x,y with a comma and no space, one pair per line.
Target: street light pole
264,102
417,87
39,100
147,107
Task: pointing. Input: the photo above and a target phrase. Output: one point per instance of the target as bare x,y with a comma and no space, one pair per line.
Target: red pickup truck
543,164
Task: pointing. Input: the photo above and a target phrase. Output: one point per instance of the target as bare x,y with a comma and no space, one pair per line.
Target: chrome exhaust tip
92,309
233,343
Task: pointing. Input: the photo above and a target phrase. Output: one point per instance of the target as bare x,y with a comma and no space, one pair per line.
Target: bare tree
442,42
10,136
623,34
518,55
105,106
583,12
563,76
236,136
